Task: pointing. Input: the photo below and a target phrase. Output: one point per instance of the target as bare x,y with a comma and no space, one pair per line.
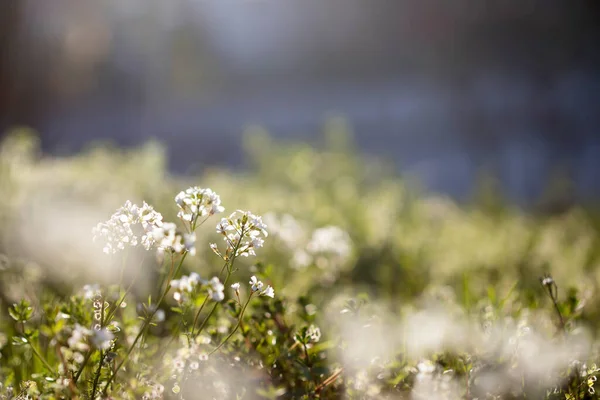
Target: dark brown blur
445,89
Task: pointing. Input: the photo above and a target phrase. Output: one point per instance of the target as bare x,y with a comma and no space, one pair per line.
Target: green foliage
381,290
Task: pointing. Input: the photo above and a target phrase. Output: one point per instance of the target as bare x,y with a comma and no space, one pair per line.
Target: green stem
229,266
97,377
145,325
80,371
211,311
102,356
198,314
236,326
40,357
308,362
204,303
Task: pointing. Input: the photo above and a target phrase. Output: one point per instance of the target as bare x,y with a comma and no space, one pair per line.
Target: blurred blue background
444,89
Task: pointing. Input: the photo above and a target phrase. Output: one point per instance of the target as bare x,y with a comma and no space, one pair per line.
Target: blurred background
446,90
418,151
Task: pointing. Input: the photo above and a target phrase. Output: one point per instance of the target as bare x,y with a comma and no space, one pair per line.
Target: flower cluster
243,232
168,238
101,338
90,291
129,225
329,247
257,286
215,289
313,333
184,286
196,202
191,356
78,339
155,391
308,335
290,232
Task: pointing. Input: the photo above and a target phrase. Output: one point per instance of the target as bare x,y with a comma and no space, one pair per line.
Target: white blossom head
216,289
197,202
269,292
255,284
184,286
168,238
102,339
130,225
243,232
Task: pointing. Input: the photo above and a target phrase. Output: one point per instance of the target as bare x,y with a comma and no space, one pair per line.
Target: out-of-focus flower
330,241
256,285
78,339
168,238
243,232
269,292
91,291
184,286
313,333
102,339
155,392
197,202
216,289
123,227
287,229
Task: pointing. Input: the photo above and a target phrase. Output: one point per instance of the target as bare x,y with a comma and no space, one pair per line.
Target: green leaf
14,315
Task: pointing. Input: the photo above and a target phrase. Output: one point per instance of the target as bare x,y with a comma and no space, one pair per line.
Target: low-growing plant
347,286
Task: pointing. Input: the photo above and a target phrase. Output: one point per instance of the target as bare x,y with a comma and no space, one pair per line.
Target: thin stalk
97,377
102,356
85,360
227,266
145,325
211,311
111,313
40,357
236,326
306,355
198,314
204,302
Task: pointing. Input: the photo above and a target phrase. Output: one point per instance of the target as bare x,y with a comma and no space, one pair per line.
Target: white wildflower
78,339
196,202
301,259
313,333
184,286
286,228
216,289
330,240
129,225
255,284
102,339
91,291
243,232
78,357
269,292
156,392
159,316
168,238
